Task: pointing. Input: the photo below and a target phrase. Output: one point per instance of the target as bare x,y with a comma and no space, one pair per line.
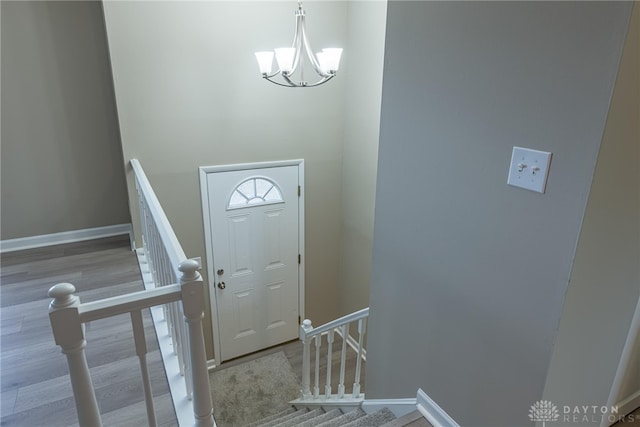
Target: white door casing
254,235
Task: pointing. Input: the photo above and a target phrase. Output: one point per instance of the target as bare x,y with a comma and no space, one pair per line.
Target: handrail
159,258
356,315
122,304
308,334
168,236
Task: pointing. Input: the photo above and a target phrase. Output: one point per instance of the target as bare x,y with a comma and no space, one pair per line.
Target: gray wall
605,281
365,47
61,154
189,94
469,274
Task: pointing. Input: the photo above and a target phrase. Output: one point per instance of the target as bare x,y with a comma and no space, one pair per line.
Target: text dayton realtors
589,413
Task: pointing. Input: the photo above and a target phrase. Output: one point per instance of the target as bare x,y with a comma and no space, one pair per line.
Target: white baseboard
11,245
432,412
399,407
345,403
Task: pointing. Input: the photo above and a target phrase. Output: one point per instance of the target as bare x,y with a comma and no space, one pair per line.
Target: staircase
328,408
319,417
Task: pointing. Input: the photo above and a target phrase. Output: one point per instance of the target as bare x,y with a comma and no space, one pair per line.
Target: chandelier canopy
289,59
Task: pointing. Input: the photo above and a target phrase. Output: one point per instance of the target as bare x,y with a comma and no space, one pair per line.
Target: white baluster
156,248
184,352
327,387
151,247
175,334
193,303
68,333
316,385
343,360
305,328
361,330
141,352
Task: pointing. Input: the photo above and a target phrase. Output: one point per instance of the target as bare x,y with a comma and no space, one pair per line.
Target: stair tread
420,422
319,417
413,419
295,421
284,412
287,417
376,419
329,415
342,419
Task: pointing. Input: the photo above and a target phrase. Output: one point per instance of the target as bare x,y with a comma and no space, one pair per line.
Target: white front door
254,279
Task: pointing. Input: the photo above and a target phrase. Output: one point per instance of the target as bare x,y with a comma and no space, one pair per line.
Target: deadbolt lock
220,272
221,285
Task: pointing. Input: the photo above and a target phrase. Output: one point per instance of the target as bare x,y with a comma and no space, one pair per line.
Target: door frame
208,239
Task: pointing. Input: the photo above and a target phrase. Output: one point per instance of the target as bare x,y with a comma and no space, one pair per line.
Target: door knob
220,272
221,285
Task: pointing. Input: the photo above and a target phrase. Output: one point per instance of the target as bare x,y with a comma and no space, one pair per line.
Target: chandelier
289,59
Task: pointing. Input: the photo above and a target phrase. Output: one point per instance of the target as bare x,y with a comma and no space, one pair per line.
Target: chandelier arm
310,55
291,82
268,76
297,40
275,82
322,81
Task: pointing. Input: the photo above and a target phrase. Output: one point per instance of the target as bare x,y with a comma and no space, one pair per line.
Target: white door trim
204,171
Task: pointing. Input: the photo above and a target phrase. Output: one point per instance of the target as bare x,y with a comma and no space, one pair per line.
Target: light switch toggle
535,169
521,167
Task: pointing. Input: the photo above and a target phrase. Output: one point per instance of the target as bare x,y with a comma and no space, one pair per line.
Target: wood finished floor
35,387
35,383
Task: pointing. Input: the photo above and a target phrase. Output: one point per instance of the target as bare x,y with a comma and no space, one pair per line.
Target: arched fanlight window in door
255,192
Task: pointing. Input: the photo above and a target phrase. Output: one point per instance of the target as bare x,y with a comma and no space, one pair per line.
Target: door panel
254,234
240,244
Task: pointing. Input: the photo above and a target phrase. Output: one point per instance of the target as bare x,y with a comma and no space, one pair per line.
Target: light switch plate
529,169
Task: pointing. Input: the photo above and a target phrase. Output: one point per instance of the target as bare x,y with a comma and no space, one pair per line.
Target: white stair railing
162,253
171,282
67,315
309,334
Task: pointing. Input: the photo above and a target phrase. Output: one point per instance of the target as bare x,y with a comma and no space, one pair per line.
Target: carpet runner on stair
319,417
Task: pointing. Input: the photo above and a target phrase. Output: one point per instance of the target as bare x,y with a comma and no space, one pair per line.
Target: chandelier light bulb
332,58
285,57
265,61
322,60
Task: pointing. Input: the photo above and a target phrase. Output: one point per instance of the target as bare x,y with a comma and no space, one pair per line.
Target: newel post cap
306,325
189,269
62,295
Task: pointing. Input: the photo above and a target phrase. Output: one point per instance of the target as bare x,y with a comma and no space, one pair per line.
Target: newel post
68,333
193,306
305,328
